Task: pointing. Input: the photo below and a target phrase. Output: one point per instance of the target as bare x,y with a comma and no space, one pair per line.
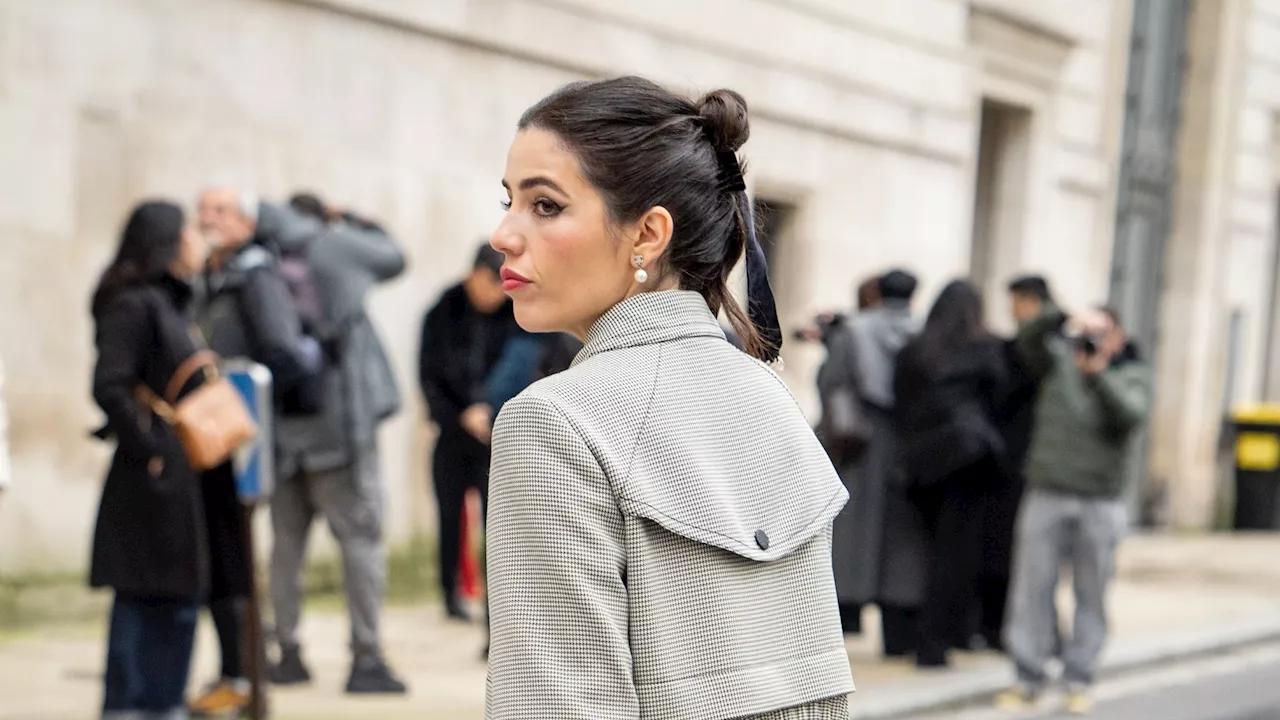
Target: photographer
1095,394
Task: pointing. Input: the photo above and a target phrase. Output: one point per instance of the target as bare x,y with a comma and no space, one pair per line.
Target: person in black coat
949,383
463,337
151,540
1016,419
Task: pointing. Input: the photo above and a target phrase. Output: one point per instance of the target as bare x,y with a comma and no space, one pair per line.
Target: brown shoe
224,699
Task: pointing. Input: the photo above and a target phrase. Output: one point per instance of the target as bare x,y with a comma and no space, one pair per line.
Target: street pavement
1174,595
1243,684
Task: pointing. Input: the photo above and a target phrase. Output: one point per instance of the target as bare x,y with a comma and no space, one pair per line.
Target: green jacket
1085,428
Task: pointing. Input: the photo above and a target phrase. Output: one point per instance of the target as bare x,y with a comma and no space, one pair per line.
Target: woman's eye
545,207
506,204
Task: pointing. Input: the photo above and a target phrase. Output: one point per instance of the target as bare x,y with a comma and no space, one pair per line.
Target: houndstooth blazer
659,534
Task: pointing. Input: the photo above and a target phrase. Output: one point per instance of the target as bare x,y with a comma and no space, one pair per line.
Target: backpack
295,268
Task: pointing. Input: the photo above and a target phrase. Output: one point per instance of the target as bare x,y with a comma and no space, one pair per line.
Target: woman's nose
505,239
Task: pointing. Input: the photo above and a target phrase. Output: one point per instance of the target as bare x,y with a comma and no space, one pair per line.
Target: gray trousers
351,500
1056,529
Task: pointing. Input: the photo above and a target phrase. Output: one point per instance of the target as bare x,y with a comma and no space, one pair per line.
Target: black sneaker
290,670
370,675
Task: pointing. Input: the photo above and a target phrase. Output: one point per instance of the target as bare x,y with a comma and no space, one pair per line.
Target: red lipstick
512,280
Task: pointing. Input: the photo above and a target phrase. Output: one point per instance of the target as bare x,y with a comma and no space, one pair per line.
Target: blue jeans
148,657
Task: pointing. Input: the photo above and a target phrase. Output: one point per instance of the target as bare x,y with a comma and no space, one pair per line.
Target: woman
949,382
151,541
659,538
840,384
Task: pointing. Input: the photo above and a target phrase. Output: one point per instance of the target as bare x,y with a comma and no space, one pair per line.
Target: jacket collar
651,318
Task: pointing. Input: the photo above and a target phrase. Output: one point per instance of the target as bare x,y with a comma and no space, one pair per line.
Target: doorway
999,204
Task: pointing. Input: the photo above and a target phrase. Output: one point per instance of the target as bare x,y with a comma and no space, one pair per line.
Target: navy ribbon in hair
761,308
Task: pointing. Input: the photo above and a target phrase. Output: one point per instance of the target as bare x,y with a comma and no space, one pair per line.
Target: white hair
247,201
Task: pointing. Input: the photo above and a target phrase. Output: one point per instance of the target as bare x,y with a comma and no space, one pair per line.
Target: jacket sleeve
433,364
514,370
276,334
123,333
558,598
1033,340
367,246
1125,396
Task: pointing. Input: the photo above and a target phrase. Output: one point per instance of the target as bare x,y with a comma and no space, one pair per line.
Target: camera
822,326
1087,343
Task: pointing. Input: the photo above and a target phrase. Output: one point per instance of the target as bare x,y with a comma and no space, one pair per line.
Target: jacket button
762,539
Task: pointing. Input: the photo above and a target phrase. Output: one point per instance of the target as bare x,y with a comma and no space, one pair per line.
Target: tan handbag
212,421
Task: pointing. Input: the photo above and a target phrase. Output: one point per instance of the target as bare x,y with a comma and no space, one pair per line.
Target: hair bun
724,119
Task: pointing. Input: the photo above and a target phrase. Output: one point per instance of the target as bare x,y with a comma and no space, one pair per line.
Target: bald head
228,217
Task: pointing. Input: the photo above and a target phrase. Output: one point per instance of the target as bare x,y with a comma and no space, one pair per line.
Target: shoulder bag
212,421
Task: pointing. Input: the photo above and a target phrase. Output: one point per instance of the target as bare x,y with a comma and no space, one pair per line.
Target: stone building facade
951,137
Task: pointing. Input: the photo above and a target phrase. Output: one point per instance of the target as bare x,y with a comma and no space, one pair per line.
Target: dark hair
148,246
897,285
309,204
869,293
954,322
1032,286
641,146
488,258
1111,312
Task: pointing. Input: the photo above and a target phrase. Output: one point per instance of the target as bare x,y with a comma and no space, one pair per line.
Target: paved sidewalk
1175,596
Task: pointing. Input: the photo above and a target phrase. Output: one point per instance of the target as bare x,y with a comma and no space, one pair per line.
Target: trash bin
1257,451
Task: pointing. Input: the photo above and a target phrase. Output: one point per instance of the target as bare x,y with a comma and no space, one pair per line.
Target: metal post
256,648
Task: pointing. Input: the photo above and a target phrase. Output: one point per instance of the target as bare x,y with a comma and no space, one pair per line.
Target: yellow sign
1257,451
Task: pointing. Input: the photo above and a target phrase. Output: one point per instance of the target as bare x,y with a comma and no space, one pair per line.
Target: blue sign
255,462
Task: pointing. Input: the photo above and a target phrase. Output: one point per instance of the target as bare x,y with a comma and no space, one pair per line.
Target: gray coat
879,544
659,534
347,261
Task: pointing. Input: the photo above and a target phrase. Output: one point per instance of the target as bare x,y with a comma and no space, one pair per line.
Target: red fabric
469,567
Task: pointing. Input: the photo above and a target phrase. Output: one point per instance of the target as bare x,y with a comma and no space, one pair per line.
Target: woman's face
566,264
191,255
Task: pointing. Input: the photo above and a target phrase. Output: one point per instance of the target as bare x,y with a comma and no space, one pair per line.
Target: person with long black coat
1028,296
949,384
463,337
151,543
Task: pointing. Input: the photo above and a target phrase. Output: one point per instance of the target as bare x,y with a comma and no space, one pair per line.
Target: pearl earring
642,276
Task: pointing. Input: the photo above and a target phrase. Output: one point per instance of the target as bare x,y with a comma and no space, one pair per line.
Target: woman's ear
653,234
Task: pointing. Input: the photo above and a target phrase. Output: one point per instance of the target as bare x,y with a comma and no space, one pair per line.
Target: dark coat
460,347
878,544
247,312
152,532
1016,420
947,413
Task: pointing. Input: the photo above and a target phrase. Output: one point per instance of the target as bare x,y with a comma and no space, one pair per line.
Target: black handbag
844,429
961,441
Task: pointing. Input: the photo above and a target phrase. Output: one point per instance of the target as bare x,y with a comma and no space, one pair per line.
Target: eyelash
542,207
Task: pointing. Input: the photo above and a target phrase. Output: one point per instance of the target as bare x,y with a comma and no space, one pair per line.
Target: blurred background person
245,311
869,293
330,457
1095,395
845,430
463,337
949,384
1028,295
150,540
888,564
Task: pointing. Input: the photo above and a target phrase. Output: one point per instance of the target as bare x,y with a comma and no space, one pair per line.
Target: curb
951,689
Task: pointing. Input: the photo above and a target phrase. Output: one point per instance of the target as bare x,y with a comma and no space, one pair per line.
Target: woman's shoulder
134,302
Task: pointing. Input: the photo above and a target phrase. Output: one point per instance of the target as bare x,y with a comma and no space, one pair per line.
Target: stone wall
864,116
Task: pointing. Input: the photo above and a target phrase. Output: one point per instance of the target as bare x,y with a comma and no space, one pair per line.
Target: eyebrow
537,181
